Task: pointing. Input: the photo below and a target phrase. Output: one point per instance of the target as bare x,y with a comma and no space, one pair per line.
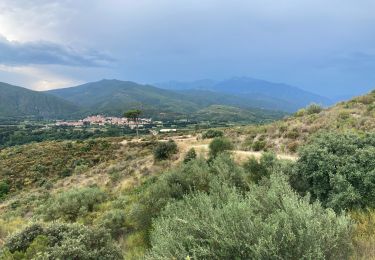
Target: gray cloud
323,46
44,52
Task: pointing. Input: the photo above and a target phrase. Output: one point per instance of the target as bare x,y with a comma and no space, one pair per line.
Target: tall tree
134,115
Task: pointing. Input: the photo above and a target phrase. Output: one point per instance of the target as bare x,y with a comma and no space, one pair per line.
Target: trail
202,149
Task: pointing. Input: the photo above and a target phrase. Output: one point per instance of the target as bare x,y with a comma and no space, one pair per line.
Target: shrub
114,221
262,168
338,170
61,241
71,204
300,113
4,189
164,150
293,134
259,145
190,155
219,145
212,133
314,109
196,175
269,222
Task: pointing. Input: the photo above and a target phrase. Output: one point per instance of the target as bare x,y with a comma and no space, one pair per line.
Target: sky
327,47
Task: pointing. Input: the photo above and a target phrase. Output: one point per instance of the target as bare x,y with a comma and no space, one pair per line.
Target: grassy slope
286,135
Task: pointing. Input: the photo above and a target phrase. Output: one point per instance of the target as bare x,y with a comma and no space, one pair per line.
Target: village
101,120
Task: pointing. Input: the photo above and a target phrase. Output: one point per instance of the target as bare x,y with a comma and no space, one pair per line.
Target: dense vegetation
338,170
16,135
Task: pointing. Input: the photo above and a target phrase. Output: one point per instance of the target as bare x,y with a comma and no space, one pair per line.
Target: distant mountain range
115,96
254,99
258,93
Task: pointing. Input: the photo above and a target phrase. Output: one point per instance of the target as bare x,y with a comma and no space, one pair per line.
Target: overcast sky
326,46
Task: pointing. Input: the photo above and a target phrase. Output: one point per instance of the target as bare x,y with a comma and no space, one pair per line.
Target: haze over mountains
260,93
254,98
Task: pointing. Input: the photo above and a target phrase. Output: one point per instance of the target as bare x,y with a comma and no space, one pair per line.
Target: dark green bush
4,189
190,155
164,150
219,145
262,168
212,133
338,170
71,204
259,145
314,109
60,241
269,222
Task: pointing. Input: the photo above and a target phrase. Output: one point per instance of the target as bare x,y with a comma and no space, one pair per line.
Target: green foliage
259,145
301,112
212,133
114,221
269,222
219,145
4,189
61,241
338,170
196,175
164,150
133,114
71,204
262,168
314,109
190,155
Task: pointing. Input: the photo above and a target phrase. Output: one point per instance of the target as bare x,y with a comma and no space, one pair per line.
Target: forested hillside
21,102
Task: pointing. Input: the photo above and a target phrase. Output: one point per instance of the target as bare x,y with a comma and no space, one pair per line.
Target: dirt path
202,149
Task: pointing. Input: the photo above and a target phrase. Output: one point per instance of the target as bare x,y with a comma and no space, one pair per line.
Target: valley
124,182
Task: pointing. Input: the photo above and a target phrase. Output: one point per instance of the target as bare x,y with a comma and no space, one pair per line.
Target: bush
212,133
71,204
114,221
338,170
262,168
164,150
196,175
314,109
60,241
300,113
219,145
259,145
4,189
269,222
190,155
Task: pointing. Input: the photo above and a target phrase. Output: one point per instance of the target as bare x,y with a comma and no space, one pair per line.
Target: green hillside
115,96
357,115
19,102
220,113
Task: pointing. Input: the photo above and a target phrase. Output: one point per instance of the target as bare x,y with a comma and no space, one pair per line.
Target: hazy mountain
181,85
115,96
258,93
17,102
